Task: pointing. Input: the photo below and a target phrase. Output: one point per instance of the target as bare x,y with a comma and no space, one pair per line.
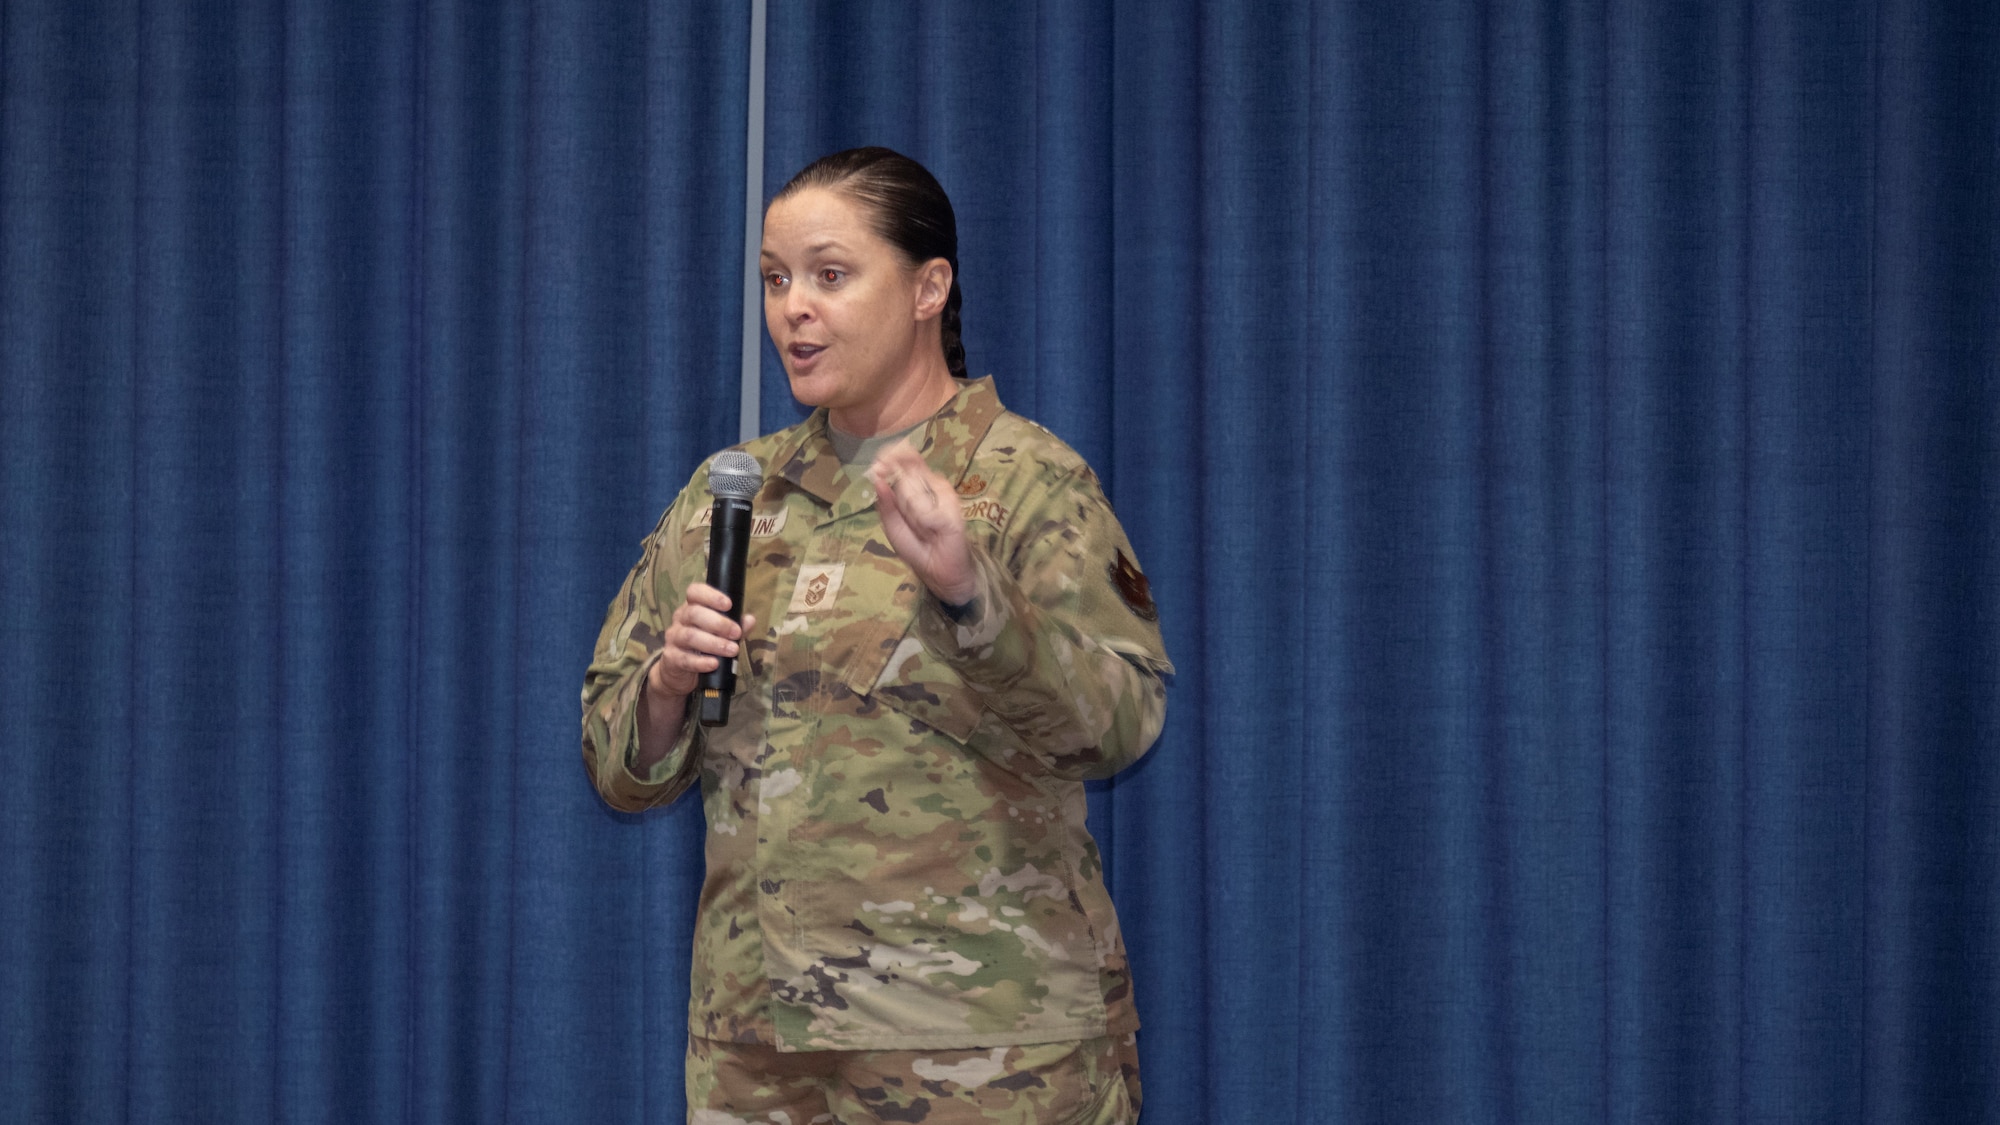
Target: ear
933,288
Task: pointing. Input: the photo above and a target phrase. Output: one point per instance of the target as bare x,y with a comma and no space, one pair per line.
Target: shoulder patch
1133,587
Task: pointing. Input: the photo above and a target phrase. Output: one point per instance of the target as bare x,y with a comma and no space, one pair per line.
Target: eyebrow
820,247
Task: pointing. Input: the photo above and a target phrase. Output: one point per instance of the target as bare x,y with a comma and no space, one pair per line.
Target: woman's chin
813,388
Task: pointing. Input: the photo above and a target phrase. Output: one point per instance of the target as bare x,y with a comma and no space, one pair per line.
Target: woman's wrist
960,598
657,731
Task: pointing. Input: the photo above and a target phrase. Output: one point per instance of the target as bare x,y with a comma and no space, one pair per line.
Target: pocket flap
915,682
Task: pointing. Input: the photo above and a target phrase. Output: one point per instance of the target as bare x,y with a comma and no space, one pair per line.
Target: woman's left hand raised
925,525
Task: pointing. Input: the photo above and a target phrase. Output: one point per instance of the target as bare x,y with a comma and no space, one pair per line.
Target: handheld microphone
733,479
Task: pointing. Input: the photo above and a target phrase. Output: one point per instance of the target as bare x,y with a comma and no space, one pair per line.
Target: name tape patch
990,510
762,525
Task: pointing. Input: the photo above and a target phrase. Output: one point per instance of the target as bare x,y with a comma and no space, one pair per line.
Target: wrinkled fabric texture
896,849
1091,1082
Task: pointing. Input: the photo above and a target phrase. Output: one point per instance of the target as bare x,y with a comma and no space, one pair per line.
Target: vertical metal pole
753,234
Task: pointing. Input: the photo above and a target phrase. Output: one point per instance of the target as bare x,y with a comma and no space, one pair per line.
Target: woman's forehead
813,219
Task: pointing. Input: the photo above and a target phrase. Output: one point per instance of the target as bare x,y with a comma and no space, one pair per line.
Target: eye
775,280
830,276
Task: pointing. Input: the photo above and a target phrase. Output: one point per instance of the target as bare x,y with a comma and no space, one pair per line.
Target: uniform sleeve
628,644
1062,642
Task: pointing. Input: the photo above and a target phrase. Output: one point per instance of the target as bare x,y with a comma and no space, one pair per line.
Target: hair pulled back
910,211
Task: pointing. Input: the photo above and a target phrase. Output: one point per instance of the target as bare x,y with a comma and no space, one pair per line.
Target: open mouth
804,353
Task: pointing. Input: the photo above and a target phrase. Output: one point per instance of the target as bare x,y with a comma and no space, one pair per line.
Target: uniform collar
947,441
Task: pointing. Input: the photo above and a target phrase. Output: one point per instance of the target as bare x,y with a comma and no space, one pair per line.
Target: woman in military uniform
944,634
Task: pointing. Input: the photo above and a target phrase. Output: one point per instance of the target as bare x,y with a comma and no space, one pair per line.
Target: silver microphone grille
735,475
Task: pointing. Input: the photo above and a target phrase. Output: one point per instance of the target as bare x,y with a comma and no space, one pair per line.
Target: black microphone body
728,548
728,543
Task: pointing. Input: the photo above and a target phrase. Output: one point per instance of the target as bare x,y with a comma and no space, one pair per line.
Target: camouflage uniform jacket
896,850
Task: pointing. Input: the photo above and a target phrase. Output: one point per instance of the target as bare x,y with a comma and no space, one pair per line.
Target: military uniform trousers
1088,1082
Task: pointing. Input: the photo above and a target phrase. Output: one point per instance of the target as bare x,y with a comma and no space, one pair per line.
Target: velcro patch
990,510
818,585
1133,587
763,525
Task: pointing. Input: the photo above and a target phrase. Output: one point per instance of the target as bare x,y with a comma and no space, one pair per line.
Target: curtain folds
1563,438
348,351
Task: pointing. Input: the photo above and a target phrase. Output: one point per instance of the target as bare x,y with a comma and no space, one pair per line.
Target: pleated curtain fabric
349,349
1562,438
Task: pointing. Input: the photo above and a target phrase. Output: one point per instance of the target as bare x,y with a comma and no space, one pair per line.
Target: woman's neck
912,400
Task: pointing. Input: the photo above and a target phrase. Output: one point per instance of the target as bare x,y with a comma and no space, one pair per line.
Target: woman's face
845,310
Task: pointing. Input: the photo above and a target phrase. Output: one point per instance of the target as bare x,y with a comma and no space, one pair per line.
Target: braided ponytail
911,212
954,347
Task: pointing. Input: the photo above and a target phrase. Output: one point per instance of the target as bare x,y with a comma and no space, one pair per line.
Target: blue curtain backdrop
347,349
1565,441
1564,438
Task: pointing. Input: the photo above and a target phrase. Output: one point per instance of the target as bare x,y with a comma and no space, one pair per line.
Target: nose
796,305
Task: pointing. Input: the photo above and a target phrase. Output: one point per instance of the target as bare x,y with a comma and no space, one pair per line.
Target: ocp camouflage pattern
1092,1082
896,850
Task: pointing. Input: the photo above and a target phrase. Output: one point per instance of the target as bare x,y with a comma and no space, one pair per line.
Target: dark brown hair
910,210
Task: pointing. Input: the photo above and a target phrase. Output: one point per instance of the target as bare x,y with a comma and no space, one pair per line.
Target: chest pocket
919,685
877,655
